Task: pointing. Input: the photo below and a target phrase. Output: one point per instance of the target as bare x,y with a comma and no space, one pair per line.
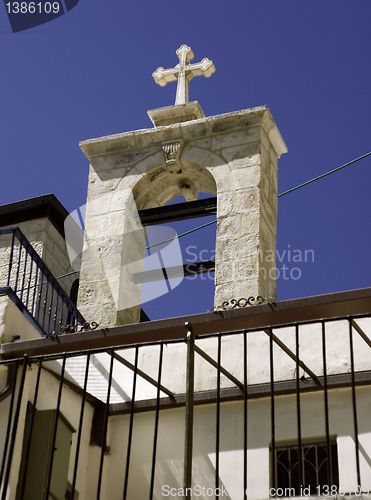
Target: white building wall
70,408
169,462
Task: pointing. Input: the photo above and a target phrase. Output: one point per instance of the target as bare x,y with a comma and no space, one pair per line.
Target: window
42,451
319,468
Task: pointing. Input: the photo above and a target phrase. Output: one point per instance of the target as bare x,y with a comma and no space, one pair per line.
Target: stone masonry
233,155
48,243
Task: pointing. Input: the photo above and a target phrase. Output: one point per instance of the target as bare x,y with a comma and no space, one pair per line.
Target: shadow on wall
170,448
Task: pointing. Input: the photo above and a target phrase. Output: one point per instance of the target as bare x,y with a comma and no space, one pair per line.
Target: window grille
313,466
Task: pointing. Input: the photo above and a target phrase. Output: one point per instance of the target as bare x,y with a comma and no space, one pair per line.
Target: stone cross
183,72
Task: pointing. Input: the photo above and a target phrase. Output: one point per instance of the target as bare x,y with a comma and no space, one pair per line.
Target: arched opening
184,280
160,185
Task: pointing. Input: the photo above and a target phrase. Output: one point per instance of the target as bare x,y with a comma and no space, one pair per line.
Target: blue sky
88,73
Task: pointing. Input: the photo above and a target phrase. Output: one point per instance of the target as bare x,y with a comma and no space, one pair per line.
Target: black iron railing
23,271
284,391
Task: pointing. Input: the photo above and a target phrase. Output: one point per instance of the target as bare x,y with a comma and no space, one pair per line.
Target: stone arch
210,161
150,182
159,185
199,170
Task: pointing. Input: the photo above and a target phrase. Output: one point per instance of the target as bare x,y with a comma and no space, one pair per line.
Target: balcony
272,400
26,279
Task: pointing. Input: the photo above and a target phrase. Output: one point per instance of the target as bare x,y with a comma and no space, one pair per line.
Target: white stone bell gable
233,155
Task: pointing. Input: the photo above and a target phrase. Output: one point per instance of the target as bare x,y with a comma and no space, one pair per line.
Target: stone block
203,143
105,225
246,177
246,162
240,152
228,226
222,178
225,203
155,159
246,200
192,130
247,245
195,155
235,138
97,187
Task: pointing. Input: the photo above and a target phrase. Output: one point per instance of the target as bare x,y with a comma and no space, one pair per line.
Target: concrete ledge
311,309
15,320
203,127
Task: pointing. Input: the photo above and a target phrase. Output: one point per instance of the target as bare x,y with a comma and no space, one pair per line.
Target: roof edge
287,313
46,205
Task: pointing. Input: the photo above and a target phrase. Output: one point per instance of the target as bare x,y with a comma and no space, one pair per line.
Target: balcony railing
259,412
24,272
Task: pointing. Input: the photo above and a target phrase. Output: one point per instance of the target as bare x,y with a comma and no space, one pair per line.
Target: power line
291,190
155,244
68,274
325,174
279,195
181,234
42,283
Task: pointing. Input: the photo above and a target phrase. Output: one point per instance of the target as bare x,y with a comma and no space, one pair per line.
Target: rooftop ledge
188,130
340,305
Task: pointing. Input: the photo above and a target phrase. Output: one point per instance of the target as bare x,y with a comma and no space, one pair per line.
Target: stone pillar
242,156
233,155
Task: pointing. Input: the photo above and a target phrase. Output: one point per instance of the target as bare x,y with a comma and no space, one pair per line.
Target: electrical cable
291,190
324,175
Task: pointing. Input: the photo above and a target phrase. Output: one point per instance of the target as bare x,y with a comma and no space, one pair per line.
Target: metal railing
303,402
34,284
